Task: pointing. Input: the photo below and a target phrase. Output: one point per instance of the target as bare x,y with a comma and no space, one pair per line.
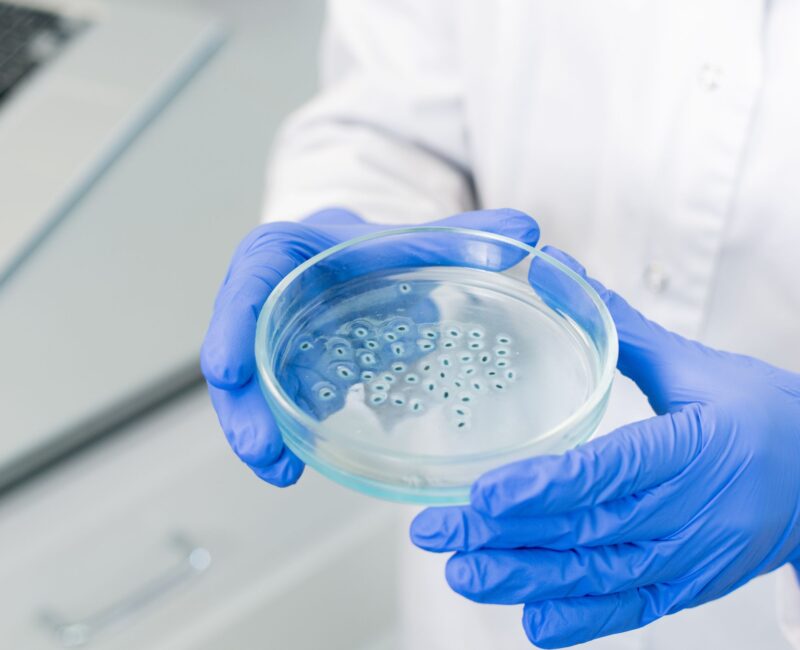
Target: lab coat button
710,76
656,278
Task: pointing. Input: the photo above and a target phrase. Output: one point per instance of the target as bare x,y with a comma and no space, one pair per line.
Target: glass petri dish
406,363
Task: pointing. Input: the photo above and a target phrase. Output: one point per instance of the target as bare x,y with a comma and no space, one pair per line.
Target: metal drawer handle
72,634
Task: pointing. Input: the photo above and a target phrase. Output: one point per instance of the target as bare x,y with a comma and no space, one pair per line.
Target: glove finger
505,221
283,472
426,248
569,621
509,577
435,248
334,217
563,293
262,260
248,424
647,351
652,514
630,459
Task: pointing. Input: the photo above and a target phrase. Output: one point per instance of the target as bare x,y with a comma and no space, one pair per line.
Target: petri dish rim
270,382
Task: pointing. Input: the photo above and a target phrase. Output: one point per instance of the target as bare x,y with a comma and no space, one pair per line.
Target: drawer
160,538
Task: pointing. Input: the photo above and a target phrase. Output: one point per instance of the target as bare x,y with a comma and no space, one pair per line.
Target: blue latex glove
261,261
655,517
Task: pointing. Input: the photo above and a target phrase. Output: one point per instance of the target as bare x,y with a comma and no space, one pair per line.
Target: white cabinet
160,538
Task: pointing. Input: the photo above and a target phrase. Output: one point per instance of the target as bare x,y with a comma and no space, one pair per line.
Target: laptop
78,80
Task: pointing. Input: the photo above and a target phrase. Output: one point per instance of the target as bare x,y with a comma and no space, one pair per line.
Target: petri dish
406,363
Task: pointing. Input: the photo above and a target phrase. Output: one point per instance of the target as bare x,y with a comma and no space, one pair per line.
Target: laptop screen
28,38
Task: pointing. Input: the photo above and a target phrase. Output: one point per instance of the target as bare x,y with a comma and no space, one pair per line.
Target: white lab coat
656,140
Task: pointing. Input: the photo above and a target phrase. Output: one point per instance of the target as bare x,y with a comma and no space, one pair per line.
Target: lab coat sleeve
385,136
789,603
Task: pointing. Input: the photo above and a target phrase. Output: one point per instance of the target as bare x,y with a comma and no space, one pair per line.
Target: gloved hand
655,517
261,261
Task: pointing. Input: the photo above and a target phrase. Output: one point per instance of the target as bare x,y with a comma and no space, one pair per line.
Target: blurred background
133,140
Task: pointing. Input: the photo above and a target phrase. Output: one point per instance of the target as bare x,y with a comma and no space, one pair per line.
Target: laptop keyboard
28,37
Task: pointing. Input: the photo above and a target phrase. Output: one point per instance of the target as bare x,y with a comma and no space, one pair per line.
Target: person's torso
658,142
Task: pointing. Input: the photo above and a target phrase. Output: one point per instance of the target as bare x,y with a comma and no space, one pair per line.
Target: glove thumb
647,351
